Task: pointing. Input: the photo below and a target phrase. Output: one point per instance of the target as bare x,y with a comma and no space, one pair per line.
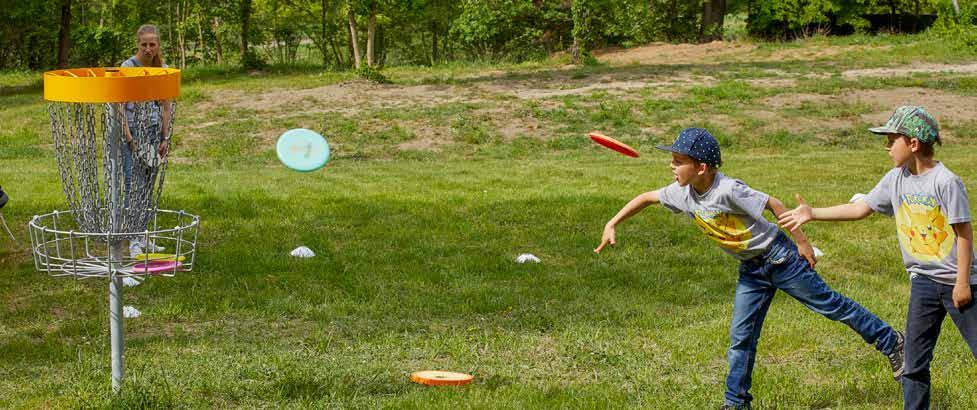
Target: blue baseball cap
698,144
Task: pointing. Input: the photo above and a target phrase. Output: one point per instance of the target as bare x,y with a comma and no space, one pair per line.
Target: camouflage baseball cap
913,122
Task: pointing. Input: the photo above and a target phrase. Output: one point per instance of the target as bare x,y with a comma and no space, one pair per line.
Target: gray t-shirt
925,206
730,213
155,115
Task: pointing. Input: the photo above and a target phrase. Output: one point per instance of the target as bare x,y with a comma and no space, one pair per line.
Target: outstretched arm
636,205
804,247
803,214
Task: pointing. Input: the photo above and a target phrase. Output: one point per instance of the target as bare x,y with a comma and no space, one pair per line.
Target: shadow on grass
395,266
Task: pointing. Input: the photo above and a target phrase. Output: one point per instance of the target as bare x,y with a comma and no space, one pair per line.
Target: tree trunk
381,46
245,26
335,52
353,40
64,34
575,51
892,15
200,38
181,11
713,15
434,44
579,20
217,40
371,33
672,20
169,22
323,19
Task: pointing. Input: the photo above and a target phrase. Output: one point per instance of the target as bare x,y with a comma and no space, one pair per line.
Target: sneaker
897,357
150,248
154,248
727,406
134,249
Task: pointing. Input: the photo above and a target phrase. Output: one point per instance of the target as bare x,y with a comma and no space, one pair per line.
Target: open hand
962,296
606,238
793,219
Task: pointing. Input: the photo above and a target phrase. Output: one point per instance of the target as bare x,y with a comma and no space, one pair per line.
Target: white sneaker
150,248
134,249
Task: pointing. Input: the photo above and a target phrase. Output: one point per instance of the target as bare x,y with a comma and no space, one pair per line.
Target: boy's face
900,148
685,169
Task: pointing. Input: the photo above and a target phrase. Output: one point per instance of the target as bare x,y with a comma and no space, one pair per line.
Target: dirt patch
910,70
720,51
773,82
423,144
352,96
796,100
776,122
611,84
944,105
674,54
818,52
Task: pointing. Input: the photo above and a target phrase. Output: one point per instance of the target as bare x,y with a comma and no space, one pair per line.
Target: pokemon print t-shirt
924,207
730,213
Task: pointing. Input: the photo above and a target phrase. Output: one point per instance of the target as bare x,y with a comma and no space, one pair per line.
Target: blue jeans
929,303
781,267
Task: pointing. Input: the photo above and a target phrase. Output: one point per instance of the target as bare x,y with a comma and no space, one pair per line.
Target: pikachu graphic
725,229
923,232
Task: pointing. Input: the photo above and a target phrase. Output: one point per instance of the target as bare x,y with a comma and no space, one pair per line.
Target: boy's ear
703,168
914,145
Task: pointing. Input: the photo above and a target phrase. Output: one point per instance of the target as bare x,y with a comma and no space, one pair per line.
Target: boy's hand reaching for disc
793,219
606,238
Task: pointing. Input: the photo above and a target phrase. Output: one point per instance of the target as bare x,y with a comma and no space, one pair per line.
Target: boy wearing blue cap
929,203
731,213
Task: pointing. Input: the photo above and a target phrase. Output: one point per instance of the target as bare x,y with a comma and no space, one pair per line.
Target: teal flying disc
302,150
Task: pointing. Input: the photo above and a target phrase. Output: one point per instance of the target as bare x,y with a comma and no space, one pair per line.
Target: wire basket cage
60,249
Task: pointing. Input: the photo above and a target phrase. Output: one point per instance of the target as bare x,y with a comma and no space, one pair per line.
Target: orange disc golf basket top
110,127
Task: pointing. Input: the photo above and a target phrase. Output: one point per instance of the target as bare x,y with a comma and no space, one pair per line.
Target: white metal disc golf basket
110,126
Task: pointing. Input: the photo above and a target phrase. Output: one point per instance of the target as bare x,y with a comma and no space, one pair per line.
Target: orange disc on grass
441,378
613,144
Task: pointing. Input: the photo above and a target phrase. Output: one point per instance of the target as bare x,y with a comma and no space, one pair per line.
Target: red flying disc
441,378
613,144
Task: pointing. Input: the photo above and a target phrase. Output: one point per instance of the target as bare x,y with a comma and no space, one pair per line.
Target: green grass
415,247
414,271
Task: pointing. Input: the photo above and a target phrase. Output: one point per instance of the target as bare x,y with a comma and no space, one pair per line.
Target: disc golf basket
108,126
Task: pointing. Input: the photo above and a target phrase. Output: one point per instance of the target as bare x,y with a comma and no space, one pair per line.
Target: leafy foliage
415,32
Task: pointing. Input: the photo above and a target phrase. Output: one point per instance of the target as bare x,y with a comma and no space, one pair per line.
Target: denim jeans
781,267
929,303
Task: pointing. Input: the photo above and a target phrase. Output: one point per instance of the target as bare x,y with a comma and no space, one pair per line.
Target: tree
217,40
64,34
353,41
713,16
371,35
246,9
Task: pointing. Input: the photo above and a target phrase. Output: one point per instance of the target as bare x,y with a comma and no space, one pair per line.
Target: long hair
151,29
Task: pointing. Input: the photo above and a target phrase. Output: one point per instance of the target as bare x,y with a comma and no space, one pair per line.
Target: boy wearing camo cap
930,206
731,213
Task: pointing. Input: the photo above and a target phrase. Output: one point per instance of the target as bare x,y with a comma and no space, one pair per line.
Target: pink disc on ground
156,266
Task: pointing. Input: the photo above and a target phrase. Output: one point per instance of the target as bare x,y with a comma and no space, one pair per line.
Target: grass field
438,181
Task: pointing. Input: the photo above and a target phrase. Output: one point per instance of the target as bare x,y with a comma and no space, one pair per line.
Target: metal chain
124,199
